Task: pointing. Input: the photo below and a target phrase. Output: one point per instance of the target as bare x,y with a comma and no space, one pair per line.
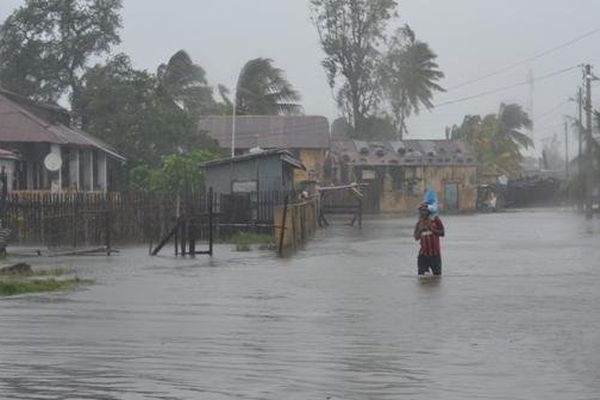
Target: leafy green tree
45,45
410,77
185,84
352,34
375,127
123,107
178,173
262,89
497,138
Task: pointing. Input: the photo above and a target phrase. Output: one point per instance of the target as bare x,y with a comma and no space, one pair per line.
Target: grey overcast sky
471,37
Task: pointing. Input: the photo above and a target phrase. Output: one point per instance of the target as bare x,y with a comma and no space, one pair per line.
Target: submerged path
515,316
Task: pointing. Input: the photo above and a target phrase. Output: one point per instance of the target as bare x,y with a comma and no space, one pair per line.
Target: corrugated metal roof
404,153
284,155
18,124
284,132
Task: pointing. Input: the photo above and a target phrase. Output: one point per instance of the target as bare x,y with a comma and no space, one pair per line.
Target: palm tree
184,83
512,121
497,138
509,137
262,89
409,76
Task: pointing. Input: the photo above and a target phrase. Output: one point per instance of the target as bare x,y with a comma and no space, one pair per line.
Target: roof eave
293,162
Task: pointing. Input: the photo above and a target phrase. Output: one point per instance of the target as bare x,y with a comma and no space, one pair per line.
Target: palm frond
184,83
264,90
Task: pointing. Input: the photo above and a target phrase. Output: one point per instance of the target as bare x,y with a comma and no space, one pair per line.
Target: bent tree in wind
47,45
410,77
263,89
184,83
378,78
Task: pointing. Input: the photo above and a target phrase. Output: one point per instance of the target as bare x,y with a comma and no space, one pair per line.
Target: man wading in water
428,230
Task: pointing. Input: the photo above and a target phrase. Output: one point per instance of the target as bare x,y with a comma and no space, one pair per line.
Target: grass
40,273
251,238
12,287
40,281
244,241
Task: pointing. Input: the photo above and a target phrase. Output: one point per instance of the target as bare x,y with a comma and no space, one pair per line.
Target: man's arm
438,228
417,233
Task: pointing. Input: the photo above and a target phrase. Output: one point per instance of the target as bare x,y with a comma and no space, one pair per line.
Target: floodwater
515,316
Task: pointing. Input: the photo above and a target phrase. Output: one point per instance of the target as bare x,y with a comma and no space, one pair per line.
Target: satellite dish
52,162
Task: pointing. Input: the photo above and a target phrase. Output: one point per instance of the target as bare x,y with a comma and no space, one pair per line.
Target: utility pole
588,142
567,151
531,82
580,152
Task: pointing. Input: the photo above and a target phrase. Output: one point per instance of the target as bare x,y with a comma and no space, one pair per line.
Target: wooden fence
342,200
93,219
296,223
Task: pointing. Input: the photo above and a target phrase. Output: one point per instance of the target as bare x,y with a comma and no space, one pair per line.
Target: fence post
183,227
360,214
210,222
176,236
192,222
283,221
42,216
107,225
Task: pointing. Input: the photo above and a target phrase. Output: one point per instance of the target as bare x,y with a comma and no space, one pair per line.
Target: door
373,178
451,197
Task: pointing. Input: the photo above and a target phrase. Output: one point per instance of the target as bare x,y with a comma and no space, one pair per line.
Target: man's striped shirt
430,242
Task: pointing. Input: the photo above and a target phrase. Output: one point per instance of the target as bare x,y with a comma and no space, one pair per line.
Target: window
368,174
244,187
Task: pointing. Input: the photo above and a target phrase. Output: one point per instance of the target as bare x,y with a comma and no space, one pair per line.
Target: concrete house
305,137
51,154
397,173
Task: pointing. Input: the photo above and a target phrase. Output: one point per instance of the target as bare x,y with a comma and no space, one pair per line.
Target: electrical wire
550,111
504,88
526,60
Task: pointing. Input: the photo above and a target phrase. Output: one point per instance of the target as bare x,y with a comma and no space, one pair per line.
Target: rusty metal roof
19,123
404,153
284,132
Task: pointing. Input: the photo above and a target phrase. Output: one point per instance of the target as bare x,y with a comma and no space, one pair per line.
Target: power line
504,88
526,60
550,111
549,127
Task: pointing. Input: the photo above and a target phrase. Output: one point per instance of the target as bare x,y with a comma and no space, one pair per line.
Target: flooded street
515,316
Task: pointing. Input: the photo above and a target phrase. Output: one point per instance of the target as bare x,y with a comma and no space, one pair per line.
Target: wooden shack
263,171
